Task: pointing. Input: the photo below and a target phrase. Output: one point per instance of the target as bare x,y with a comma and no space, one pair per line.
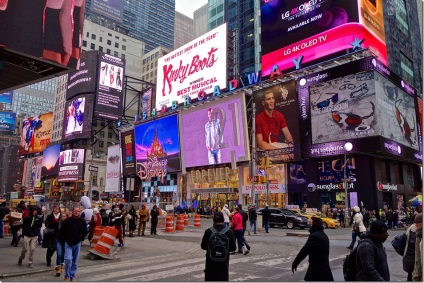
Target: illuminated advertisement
276,174
146,101
113,169
71,165
112,9
78,116
42,32
50,164
193,70
332,171
277,130
420,120
35,134
297,174
109,101
157,147
6,97
318,30
212,131
128,152
83,80
7,121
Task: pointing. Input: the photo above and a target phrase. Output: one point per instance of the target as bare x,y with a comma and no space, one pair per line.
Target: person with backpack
408,258
317,247
218,241
358,226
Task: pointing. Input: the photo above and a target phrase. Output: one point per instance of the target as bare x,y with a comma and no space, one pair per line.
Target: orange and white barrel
169,228
106,241
197,222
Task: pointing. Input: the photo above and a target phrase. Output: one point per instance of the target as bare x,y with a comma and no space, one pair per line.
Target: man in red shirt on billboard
269,122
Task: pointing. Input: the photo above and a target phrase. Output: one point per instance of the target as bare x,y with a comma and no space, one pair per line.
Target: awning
225,190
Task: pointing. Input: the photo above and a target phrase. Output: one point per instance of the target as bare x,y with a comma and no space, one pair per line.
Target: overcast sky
187,7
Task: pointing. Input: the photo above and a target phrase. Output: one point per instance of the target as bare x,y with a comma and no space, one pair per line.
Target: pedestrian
253,216
117,220
371,257
358,226
154,213
317,247
245,218
218,271
16,225
60,247
390,218
30,227
95,221
50,233
124,213
4,210
342,218
73,232
144,216
132,218
39,236
104,217
408,259
366,218
417,274
266,214
237,224
226,213
395,219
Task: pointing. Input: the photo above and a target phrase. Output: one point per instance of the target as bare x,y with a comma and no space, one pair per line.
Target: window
156,54
151,65
100,48
116,44
117,37
109,34
123,56
109,42
83,142
124,47
109,135
116,137
109,144
88,34
124,40
102,134
101,39
108,51
92,46
402,16
101,143
407,69
93,36
144,61
115,53
94,180
102,124
101,181
94,123
84,43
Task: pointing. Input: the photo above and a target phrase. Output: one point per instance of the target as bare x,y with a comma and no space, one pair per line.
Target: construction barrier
6,228
180,222
106,241
98,231
169,224
197,222
185,219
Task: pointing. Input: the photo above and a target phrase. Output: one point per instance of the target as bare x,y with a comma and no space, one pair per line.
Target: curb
29,272
294,234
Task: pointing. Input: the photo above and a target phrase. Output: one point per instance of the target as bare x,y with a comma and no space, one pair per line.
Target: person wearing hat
104,217
218,271
358,226
371,258
417,274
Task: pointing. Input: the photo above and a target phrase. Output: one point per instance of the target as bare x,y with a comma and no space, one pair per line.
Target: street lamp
348,147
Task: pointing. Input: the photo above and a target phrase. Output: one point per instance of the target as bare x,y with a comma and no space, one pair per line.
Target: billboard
112,9
212,131
83,80
78,117
50,164
146,101
113,169
332,170
42,33
6,97
7,121
199,65
128,153
318,30
71,165
35,134
109,101
277,125
157,147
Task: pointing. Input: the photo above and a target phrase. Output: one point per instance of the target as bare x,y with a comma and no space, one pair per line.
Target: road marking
249,277
275,261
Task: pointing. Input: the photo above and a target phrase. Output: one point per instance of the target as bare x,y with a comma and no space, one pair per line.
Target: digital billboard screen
7,121
6,97
157,147
78,117
109,100
277,125
50,164
46,30
112,9
210,132
318,30
128,152
83,80
199,65
35,133
71,165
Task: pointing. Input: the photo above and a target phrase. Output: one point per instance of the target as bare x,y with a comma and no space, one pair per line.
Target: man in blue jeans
73,231
253,216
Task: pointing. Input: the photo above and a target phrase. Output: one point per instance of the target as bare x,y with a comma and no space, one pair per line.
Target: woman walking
50,233
60,247
358,226
154,213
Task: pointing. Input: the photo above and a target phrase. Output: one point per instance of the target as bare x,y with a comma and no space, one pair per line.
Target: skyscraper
200,21
183,30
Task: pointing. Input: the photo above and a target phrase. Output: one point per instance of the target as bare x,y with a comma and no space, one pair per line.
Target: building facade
183,31
200,21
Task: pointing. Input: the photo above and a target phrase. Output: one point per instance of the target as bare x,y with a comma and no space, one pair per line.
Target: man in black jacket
318,248
371,258
218,271
73,231
253,216
266,214
30,227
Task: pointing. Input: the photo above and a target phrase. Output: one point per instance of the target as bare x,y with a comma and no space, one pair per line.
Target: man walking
318,248
266,214
3,211
253,216
73,231
30,228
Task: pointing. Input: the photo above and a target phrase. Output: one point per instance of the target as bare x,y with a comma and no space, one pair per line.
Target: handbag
356,228
48,231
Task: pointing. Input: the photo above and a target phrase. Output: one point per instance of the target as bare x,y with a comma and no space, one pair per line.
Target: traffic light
267,161
263,162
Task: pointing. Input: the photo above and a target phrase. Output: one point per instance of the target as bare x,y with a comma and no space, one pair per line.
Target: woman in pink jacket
237,225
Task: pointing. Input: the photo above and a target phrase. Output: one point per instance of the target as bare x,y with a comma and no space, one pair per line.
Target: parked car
326,221
284,217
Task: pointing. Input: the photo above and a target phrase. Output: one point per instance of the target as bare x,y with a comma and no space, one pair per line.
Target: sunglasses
326,102
352,120
361,91
347,86
365,76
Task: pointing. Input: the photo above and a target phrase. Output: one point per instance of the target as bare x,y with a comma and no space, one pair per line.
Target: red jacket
237,221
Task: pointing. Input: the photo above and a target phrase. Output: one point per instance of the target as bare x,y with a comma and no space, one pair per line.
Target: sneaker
349,247
73,279
248,233
30,265
66,279
49,264
20,262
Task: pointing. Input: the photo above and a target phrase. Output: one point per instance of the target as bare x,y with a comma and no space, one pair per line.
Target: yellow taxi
326,221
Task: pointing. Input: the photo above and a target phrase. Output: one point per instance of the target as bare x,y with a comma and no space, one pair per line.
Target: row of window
151,58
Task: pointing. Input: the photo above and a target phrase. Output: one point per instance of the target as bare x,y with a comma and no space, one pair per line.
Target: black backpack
399,243
349,265
218,245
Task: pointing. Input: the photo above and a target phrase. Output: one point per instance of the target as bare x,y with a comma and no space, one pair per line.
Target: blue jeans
252,223
60,253
239,237
266,226
40,238
71,259
1,228
227,224
354,235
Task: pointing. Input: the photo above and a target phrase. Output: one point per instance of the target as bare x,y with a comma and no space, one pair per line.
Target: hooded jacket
226,213
144,214
358,218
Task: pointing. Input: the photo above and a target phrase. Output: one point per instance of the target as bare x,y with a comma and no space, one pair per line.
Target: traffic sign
93,168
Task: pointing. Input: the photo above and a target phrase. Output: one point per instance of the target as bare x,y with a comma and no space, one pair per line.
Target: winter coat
131,222
105,219
144,215
358,218
252,214
155,215
371,261
318,248
409,253
118,219
226,213
30,228
237,222
73,230
266,214
49,239
244,217
217,271
417,274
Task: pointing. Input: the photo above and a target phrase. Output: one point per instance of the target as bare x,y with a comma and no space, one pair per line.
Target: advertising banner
210,132
41,31
7,121
146,102
157,147
6,97
128,153
277,125
112,9
78,117
420,121
39,165
318,30
197,66
261,189
50,166
71,165
83,80
297,174
113,169
332,170
109,101
35,134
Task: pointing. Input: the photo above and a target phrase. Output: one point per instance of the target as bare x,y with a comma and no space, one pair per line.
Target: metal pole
253,153
90,184
267,194
345,187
